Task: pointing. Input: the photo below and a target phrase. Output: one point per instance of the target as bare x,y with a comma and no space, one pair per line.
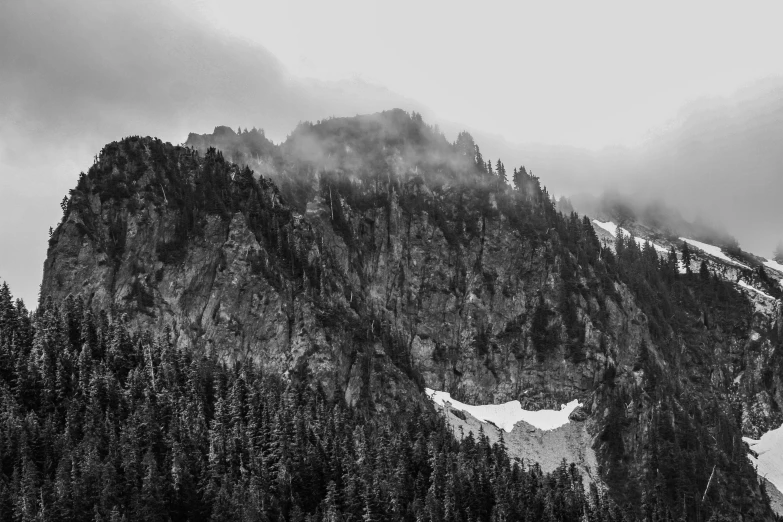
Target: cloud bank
76,75
719,160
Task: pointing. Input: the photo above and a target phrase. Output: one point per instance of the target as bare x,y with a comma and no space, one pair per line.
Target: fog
76,75
719,161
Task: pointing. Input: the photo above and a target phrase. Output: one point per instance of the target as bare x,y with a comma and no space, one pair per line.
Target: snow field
612,229
713,251
774,265
769,463
506,415
745,285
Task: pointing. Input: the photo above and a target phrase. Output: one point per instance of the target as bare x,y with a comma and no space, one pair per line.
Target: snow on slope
612,229
774,265
743,284
713,251
770,456
506,415
608,226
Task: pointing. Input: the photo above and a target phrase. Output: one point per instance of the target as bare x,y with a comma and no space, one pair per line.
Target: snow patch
506,415
612,229
608,226
774,265
745,285
769,463
713,251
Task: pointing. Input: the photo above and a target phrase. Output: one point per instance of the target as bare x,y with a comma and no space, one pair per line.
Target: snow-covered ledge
769,462
506,415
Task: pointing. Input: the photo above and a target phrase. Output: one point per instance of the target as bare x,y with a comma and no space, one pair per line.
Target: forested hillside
369,257
99,423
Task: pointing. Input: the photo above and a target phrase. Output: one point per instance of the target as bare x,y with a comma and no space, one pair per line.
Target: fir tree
778,254
686,256
704,271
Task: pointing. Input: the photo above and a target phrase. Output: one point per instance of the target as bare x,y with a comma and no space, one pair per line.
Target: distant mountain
367,258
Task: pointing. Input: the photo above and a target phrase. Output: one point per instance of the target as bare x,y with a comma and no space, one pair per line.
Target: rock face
387,261
217,283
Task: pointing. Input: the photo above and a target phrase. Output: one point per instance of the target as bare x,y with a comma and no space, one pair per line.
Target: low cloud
720,161
76,75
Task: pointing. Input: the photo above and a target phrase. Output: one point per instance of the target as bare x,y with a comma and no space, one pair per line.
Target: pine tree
7,312
686,256
704,271
330,509
500,170
673,262
465,146
778,254
620,243
480,165
520,177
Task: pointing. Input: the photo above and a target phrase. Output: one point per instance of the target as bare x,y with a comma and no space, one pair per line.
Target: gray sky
550,85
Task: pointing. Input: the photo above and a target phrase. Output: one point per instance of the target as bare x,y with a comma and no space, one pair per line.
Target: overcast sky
663,98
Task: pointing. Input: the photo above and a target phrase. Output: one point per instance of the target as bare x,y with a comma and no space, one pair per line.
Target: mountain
368,258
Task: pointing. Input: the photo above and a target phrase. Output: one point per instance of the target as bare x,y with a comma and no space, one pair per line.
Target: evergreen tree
704,271
520,176
500,170
480,165
778,254
466,147
673,262
686,256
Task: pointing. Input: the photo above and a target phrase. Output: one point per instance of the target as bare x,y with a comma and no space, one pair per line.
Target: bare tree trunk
708,484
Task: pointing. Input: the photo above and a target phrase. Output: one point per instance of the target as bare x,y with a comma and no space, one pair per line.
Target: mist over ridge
719,162
169,74
77,76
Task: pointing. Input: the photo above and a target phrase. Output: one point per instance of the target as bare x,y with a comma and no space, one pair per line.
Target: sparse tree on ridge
479,159
500,170
519,177
465,145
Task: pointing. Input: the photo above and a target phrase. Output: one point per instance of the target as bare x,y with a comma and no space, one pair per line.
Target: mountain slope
389,259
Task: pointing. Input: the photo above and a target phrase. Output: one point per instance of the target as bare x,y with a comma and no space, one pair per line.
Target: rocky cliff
373,258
